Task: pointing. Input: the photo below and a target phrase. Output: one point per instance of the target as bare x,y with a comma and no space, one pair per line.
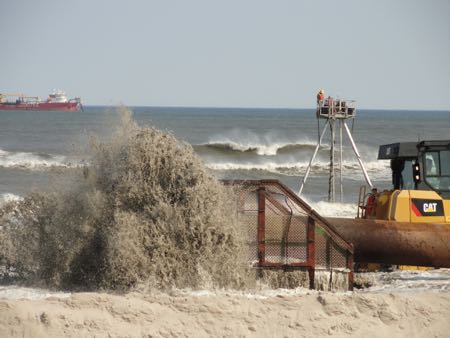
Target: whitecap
29,160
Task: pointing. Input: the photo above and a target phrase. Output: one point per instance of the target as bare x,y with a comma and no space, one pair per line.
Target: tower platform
330,108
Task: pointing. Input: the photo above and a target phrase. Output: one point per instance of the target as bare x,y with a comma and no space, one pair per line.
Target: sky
384,54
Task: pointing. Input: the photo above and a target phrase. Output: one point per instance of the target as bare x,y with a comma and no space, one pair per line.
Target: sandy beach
270,313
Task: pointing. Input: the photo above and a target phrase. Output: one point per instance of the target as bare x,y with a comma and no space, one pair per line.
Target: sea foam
8,197
30,160
377,169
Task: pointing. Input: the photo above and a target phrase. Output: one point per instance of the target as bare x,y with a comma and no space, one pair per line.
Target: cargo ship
57,100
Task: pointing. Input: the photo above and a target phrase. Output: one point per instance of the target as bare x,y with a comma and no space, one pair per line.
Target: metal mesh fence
284,232
329,254
285,229
248,219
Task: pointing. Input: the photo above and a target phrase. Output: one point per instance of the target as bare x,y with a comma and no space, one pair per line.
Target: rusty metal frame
311,234
262,226
313,219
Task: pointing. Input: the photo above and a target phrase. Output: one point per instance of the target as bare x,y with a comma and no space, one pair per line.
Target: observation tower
335,113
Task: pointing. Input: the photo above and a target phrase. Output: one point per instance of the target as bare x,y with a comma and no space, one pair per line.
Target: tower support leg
312,158
340,163
366,176
331,185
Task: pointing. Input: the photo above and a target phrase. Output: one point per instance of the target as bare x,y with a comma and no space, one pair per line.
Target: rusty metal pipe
396,243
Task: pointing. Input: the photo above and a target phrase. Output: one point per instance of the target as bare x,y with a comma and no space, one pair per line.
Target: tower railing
336,109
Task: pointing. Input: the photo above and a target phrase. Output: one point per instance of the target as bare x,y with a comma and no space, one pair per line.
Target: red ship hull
59,106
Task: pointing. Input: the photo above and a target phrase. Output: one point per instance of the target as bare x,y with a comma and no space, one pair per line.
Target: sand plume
144,210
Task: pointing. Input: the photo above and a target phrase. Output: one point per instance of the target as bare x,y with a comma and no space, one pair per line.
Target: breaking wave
273,152
268,166
293,168
247,141
30,160
259,149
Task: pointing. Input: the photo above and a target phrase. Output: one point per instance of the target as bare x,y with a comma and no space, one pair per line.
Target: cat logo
429,207
423,207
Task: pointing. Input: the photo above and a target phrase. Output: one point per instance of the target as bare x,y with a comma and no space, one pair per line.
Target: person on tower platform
320,96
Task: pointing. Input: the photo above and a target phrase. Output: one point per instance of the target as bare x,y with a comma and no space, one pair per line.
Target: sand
273,313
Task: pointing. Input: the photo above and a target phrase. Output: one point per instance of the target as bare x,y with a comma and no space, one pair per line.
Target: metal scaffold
335,113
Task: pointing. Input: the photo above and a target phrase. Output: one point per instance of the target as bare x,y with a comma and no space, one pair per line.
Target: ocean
234,143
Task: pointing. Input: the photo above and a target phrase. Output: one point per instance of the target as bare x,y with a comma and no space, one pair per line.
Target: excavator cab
435,166
420,184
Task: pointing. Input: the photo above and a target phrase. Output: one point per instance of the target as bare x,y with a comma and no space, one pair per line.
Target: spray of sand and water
144,210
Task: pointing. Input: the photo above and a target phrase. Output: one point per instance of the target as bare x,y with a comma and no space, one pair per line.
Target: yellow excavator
408,225
421,184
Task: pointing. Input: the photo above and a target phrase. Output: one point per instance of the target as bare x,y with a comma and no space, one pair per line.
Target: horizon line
256,107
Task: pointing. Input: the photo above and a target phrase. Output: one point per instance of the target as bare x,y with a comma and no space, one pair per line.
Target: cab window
402,174
445,162
432,164
437,169
408,180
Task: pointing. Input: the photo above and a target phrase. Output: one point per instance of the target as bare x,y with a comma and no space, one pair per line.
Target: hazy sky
230,53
